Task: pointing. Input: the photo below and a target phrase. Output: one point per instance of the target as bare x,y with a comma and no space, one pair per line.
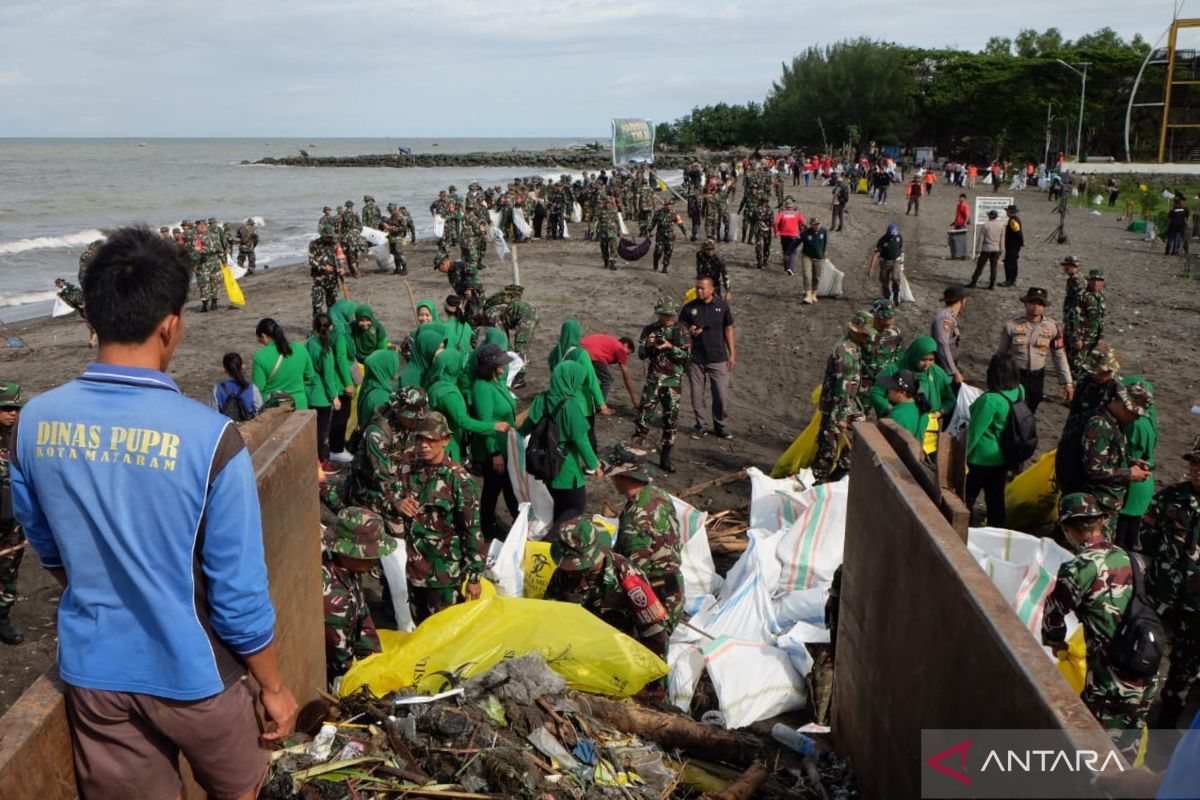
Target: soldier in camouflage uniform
841,402
1098,586
647,530
663,226
885,345
72,295
438,503
371,215
247,244
353,546
763,222
1096,387
590,575
12,537
325,268
464,281
748,210
608,228
519,320
714,211
1170,542
644,203
399,229
474,238
207,255
711,265
386,440
664,345
1076,286
222,236
1107,470
350,231
1086,328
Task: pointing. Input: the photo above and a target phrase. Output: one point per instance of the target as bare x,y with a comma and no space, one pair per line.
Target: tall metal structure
1179,71
1172,81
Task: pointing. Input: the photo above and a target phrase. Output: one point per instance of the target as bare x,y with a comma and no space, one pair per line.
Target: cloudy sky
147,68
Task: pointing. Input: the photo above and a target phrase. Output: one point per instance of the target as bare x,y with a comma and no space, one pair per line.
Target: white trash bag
506,560
699,574
830,283
775,503
395,569
776,686
967,394
810,550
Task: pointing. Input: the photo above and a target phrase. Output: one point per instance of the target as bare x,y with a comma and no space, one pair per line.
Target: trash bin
957,237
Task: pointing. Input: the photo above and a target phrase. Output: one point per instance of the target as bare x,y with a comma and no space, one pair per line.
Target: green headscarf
568,337
370,340
429,306
342,313
430,337
379,376
442,377
490,336
458,335
565,382
918,349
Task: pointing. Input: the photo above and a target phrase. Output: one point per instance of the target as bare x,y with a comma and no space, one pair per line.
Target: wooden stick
700,631
8,550
745,786
715,482
412,300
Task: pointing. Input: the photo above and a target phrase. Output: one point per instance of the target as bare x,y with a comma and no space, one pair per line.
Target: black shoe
698,433
9,634
213,307
203,306
722,433
665,461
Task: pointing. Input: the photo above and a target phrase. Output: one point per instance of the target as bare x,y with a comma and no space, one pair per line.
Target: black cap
902,380
1035,295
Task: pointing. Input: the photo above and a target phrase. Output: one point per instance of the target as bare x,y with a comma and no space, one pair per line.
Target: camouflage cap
10,395
212,220
348,204
1137,397
883,309
432,426
1102,359
665,307
1069,261
860,322
409,402
326,229
164,229
1194,453
368,199
1078,506
623,459
1096,275
359,533
789,202
577,546
391,206
709,244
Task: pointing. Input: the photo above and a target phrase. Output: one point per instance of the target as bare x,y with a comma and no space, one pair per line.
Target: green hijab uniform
342,314
570,349
933,382
429,337
446,397
490,336
370,340
1141,437
411,341
379,378
562,398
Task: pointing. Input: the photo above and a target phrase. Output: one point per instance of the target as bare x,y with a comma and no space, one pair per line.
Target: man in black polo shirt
714,355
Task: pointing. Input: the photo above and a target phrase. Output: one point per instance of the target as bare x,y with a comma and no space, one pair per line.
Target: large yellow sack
931,436
1073,665
231,287
468,639
352,421
1031,500
803,451
538,568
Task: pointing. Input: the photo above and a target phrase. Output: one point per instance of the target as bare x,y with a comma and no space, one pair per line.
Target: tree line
976,106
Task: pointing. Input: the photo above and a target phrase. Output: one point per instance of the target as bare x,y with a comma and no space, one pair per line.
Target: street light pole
1082,95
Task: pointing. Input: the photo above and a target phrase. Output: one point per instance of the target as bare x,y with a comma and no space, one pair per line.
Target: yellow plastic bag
931,436
352,422
538,567
1073,665
468,639
803,451
689,295
231,287
1031,500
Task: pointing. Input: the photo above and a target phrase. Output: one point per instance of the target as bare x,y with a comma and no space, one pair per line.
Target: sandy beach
782,344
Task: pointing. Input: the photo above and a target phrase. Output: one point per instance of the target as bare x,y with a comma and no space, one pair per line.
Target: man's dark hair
1002,373
627,343
136,279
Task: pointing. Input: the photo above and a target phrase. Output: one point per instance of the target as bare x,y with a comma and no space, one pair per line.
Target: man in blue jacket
143,505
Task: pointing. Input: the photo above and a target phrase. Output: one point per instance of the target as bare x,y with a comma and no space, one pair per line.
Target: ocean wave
24,298
47,242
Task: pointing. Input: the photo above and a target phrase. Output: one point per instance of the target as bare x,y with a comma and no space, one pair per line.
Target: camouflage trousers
428,600
11,535
207,275
608,247
653,393
245,259
1184,670
521,337
324,292
1119,704
762,247
819,683
644,223
712,227
663,249
396,248
829,460
472,252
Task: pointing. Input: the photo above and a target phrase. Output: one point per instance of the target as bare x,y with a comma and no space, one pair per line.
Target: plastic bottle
797,741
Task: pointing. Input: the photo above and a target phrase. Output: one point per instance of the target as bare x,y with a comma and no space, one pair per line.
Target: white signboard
984,204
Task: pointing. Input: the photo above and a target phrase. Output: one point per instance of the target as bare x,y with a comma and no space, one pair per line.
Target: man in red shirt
962,213
606,351
788,224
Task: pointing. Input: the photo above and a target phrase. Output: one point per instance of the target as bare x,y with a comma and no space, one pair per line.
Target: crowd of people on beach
415,431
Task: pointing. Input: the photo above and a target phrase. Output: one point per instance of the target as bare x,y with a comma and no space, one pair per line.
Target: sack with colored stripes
775,503
529,489
776,687
696,566
811,548
1022,567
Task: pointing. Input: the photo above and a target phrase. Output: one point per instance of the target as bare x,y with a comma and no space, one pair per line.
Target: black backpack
543,459
1070,473
843,194
1019,439
233,407
1137,647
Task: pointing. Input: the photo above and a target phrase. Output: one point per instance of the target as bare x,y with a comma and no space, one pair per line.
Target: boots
203,306
9,634
213,306
665,461
656,263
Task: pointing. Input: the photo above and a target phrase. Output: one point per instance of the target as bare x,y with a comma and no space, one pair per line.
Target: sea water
61,194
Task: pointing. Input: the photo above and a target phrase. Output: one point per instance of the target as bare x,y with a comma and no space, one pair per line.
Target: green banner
632,141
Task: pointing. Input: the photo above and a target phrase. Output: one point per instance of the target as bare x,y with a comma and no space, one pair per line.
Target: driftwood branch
715,482
746,785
